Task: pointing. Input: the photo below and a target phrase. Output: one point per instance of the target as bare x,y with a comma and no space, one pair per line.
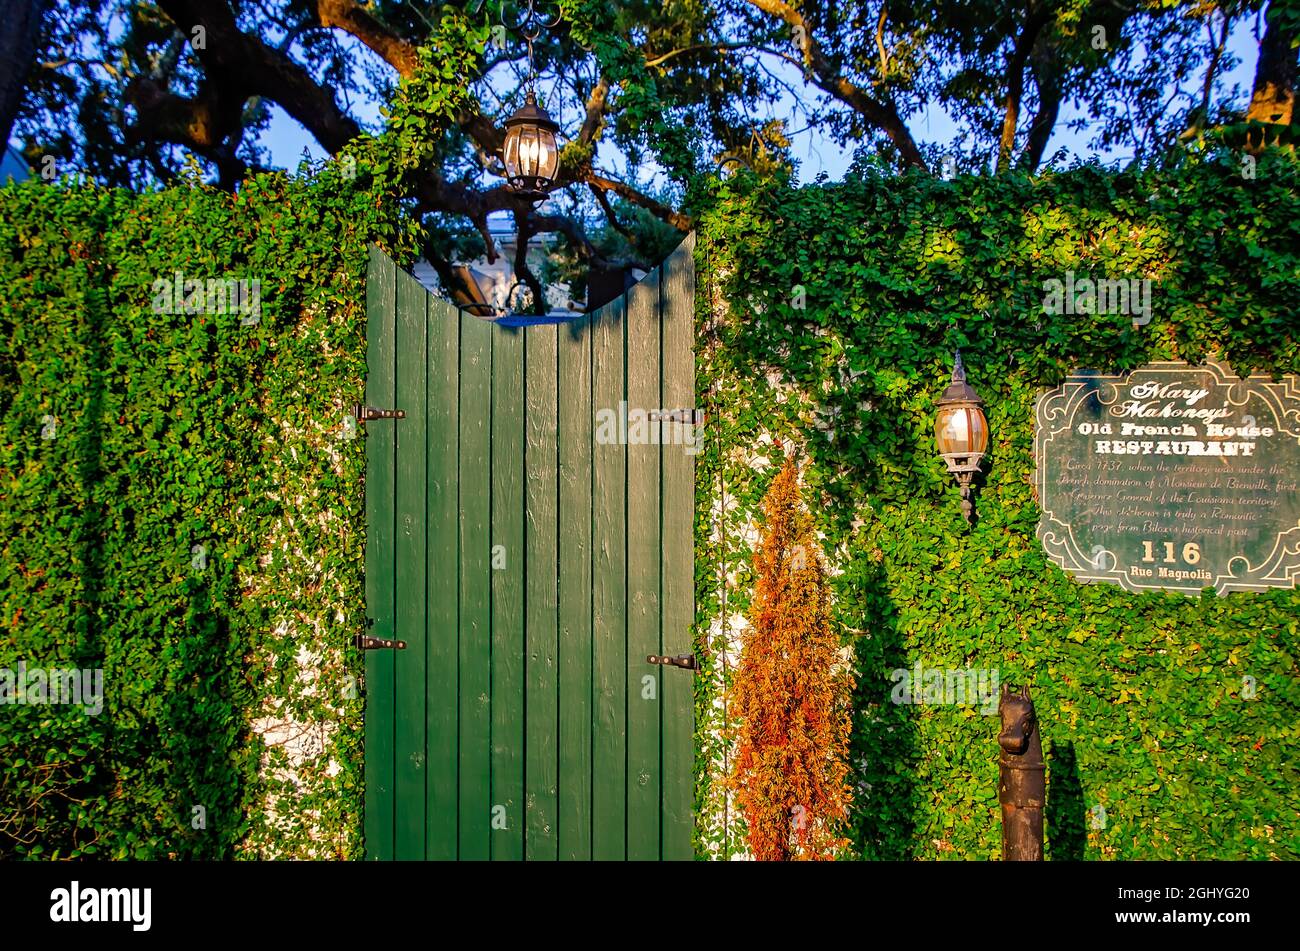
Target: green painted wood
442,582
680,444
541,466
574,389
609,591
410,753
381,340
645,688
508,593
524,695
475,666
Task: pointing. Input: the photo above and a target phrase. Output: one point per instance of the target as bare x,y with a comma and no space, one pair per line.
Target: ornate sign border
1054,415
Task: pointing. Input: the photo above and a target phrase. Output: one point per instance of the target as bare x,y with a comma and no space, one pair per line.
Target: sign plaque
1171,477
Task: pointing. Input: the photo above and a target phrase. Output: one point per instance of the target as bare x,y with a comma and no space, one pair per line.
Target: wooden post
1022,778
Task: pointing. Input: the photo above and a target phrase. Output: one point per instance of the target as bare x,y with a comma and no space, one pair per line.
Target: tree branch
595,117
1048,81
1034,24
677,219
18,51
1199,114
571,230
207,124
880,40
881,113
696,48
238,66
603,200
353,19
522,270
1272,98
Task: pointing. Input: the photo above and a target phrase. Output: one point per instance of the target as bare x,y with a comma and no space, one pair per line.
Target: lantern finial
959,391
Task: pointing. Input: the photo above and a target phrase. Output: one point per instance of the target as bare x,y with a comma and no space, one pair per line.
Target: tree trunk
22,21
1273,98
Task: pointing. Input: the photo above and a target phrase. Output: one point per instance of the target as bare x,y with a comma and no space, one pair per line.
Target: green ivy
195,527
176,430
838,308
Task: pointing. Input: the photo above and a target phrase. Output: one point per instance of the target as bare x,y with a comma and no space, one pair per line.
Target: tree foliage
650,94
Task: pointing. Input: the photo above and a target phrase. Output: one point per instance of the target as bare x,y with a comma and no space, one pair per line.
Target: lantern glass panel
548,159
530,153
961,430
510,153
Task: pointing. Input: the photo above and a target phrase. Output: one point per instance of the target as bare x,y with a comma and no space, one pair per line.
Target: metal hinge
685,661
365,413
368,643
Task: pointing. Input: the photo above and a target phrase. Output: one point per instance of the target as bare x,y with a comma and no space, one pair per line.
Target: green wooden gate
531,564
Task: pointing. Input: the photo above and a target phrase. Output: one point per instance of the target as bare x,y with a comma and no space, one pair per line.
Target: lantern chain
529,24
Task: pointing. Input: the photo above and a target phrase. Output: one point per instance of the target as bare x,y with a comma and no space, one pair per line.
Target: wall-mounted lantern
530,154
962,434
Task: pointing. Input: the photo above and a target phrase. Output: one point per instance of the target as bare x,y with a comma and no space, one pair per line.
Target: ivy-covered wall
181,505
828,319
181,498
181,508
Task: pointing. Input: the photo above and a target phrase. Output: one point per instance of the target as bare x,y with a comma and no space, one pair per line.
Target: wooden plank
442,581
680,444
408,720
609,589
541,593
381,341
575,782
645,687
475,589
508,593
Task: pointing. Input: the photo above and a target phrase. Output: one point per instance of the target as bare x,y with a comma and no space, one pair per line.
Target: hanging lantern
962,434
530,153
